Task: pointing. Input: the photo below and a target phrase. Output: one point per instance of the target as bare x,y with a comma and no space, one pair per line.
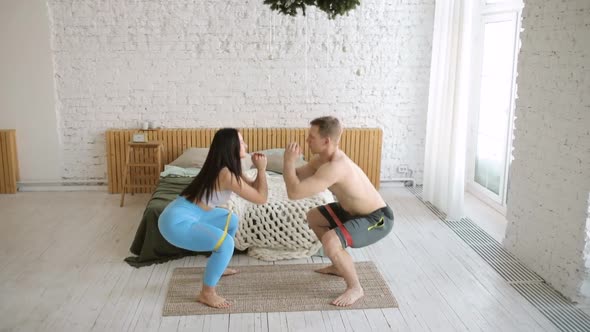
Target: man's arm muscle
305,171
324,177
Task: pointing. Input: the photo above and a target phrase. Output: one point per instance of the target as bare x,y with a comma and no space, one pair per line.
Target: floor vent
559,310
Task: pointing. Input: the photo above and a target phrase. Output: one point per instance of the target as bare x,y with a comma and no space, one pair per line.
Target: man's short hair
329,126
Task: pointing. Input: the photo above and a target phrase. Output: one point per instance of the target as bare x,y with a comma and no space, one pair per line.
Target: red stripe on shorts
343,229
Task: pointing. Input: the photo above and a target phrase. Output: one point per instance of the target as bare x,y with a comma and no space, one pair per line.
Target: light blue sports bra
218,198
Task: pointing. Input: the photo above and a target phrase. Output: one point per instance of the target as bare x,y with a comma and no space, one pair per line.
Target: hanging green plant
331,7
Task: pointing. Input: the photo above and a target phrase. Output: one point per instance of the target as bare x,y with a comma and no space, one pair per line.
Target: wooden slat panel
110,167
9,173
274,137
345,142
169,144
121,155
112,160
150,157
119,159
178,144
14,155
366,145
4,164
362,145
4,174
377,160
186,139
136,158
357,145
370,155
203,137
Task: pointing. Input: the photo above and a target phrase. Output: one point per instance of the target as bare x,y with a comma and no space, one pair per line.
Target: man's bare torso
354,191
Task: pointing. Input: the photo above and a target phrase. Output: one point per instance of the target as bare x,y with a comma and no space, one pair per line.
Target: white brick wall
550,179
235,63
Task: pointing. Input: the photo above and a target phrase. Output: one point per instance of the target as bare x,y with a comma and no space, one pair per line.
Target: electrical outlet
402,168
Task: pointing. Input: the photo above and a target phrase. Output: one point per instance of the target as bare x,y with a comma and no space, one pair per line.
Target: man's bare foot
213,300
229,272
329,270
350,296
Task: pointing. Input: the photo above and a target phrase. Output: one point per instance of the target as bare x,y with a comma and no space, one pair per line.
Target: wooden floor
490,220
62,269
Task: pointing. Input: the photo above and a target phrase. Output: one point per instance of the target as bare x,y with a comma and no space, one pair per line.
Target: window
496,48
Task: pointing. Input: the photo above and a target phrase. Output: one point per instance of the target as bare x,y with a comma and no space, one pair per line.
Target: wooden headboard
362,145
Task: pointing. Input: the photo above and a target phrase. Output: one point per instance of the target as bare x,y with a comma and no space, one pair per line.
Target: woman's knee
227,245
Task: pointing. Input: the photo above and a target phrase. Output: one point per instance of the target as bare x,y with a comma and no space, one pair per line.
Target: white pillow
191,158
195,158
175,171
274,160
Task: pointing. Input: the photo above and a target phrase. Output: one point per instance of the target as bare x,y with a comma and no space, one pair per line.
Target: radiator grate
559,310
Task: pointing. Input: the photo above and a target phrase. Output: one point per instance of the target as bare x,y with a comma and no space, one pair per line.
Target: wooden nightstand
143,164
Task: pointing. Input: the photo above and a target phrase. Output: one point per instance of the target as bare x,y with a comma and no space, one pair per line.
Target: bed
272,231
149,246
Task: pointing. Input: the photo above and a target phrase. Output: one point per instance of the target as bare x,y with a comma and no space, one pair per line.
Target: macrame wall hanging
331,7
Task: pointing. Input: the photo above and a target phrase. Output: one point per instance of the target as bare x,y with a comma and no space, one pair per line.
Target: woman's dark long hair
224,152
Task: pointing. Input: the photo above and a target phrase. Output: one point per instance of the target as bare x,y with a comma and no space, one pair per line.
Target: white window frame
487,13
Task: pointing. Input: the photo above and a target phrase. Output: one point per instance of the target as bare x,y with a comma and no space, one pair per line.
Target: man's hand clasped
292,152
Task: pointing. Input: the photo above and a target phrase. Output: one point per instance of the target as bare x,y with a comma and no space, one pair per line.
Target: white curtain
448,100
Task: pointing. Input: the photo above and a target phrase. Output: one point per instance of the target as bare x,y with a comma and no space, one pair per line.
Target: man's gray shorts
358,231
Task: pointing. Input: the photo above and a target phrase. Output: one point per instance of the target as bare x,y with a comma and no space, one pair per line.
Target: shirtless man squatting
359,218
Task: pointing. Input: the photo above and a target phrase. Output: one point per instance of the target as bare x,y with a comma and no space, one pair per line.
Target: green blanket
149,245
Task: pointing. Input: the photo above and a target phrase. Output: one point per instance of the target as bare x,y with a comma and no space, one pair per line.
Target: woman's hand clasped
259,160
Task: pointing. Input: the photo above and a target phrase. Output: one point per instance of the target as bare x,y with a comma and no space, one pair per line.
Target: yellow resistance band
378,224
222,238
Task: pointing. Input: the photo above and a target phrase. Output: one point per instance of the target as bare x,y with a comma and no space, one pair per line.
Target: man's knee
331,243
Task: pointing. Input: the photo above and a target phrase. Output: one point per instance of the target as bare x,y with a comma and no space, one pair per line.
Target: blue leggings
185,225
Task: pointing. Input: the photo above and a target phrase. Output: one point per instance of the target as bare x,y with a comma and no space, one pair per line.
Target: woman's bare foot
329,270
213,300
350,296
229,272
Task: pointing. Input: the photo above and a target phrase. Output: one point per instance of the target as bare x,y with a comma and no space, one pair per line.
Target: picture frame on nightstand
139,138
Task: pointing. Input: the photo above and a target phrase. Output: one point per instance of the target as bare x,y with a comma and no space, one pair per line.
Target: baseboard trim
40,186
398,182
